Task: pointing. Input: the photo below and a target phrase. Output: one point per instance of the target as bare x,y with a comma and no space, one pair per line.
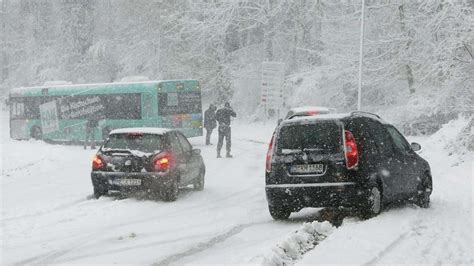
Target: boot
219,155
228,155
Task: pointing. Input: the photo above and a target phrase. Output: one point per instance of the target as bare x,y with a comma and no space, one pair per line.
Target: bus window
147,105
179,103
17,109
123,106
32,108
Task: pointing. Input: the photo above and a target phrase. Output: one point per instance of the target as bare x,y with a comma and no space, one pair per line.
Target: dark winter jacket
210,118
223,116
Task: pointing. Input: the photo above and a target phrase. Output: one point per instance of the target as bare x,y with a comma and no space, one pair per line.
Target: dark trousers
208,135
90,136
224,131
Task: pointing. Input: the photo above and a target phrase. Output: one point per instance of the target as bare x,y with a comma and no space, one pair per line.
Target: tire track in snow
44,212
200,247
388,249
415,225
7,171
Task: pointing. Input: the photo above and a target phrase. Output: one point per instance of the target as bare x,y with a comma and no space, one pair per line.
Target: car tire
279,213
373,203
171,191
424,190
199,184
99,192
36,133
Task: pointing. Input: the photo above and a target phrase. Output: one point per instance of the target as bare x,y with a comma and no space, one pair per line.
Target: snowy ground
48,216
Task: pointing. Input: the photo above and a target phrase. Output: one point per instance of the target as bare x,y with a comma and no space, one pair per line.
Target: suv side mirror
196,151
415,146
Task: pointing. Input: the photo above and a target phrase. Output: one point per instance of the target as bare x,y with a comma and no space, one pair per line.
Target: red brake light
97,163
268,165
352,155
162,163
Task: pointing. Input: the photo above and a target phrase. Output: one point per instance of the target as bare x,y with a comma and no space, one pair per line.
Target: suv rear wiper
312,149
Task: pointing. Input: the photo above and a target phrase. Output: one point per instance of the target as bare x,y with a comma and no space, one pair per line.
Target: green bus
60,113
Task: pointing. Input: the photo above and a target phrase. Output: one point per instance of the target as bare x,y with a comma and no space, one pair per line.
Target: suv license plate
127,182
308,168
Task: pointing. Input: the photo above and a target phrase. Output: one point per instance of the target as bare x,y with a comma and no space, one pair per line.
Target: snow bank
456,136
298,243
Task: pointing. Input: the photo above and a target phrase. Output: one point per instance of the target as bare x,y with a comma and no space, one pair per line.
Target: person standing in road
210,122
91,125
223,117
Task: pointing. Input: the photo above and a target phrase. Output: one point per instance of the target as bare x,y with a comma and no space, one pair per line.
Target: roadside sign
49,117
273,78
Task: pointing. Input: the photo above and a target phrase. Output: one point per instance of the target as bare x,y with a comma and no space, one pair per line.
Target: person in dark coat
223,116
91,125
210,122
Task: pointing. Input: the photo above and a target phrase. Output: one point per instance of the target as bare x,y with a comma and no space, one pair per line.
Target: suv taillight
97,163
162,162
268,165
352,155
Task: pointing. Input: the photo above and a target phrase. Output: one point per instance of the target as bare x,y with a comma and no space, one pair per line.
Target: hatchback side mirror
196,151
415,146
279,121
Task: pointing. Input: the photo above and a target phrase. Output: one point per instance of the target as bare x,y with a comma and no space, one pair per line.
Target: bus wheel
36,133
105,132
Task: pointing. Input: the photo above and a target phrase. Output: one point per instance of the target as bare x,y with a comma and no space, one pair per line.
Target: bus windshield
173,103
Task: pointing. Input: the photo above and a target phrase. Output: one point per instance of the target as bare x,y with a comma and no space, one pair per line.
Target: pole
361,55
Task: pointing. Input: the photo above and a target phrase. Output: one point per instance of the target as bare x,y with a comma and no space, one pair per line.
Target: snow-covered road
48,215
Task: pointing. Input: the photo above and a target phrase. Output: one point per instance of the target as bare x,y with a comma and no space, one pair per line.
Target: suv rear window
148,143
324,137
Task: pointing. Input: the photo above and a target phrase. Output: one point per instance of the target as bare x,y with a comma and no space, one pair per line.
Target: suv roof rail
365,113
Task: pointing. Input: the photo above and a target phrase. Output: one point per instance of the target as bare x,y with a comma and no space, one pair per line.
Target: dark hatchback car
154,160
351,160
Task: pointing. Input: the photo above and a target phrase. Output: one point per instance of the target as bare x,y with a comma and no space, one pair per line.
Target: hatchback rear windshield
323,137
148,143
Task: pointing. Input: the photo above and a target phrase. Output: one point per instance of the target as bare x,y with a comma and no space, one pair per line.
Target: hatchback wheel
373,204
279,213
424,192
199,184
99,192
170,192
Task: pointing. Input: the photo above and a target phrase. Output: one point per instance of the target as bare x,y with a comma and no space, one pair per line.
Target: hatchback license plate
308,168
127,182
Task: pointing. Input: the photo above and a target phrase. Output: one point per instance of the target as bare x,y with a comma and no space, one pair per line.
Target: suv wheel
424,191
373,204
279,213
199,184
170,192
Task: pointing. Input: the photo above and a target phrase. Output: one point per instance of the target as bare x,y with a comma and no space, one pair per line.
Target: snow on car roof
302,119
144,130
310,108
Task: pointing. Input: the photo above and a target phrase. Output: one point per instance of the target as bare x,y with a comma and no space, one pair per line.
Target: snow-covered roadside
406,234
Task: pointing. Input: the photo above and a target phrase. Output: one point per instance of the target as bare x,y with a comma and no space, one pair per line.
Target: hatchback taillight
162,162
352,155
268,165
97,163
